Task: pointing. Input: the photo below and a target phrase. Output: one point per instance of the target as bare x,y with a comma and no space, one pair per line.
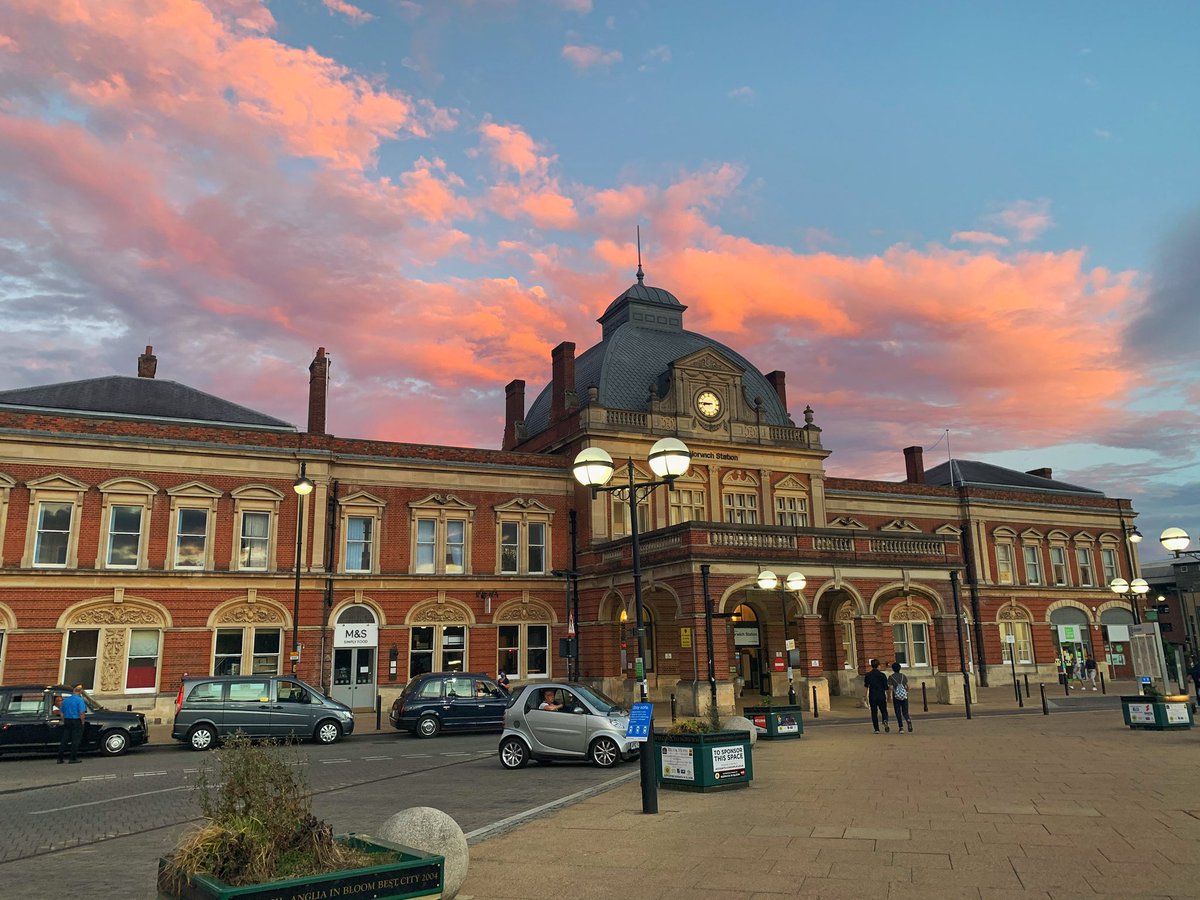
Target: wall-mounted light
487,597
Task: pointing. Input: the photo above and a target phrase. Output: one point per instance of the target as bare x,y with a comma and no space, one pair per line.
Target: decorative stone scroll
112,661
439,613
117,615
1012,614
524,612
244,614
909,613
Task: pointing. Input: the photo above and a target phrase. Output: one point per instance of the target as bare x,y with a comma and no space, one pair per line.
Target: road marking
331,761
96,777
147,774
416,756
376,757
458,754
511,821
190,771
42,812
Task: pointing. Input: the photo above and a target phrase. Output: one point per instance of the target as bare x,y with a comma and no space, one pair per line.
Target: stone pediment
899,525
708,361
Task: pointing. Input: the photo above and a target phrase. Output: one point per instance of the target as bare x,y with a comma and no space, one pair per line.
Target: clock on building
708,404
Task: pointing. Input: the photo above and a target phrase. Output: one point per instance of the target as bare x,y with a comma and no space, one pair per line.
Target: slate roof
633,355
980,474
139,398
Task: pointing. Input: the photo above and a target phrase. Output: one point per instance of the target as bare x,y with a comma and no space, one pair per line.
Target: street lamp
593,468
303,487
1133,591
794,583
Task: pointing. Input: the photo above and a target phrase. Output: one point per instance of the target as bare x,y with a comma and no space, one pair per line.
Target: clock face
708,404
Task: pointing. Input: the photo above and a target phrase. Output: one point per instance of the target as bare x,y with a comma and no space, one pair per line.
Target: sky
963,224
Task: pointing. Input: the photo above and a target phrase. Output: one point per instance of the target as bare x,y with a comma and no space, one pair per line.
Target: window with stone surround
256,513
193,509
441,535
523,537
52,541
361,521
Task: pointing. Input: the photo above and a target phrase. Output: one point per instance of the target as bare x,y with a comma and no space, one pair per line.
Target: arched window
1016,635
845,620
910,636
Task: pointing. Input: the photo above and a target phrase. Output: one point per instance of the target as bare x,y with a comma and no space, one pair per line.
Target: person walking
74,716
1194,674
1089,669
898,682
875,693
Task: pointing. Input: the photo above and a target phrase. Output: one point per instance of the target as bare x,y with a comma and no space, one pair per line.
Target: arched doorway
629,644
748,647
355,650
1114,625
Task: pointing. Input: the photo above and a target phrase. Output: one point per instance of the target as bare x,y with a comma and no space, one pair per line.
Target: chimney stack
147,363
562,389
514,412
1041,473
914,465
776,380
318,391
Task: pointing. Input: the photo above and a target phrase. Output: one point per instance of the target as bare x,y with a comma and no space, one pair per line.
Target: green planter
1157,713
703,762
776,723
415,874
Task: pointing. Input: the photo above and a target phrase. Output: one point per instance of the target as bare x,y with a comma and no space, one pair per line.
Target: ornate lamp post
303,487
593,468
794,583
1133,591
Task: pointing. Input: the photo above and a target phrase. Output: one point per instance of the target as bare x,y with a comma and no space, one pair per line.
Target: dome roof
642,334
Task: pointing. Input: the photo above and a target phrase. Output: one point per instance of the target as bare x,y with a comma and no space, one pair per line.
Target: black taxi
27,724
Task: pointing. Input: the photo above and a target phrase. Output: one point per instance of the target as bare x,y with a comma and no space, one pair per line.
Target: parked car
578,723
449,701
261,706
27,725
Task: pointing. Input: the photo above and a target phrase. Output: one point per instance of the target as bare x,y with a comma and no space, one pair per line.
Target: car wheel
327,732
604,752
428,726
202,737
513,753
114,742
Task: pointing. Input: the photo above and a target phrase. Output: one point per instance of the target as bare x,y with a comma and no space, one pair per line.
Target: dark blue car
450,701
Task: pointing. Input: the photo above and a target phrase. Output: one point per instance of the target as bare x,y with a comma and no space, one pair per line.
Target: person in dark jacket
74,713
898,683
875,693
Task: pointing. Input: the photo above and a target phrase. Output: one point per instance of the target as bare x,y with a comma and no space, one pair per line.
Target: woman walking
898,683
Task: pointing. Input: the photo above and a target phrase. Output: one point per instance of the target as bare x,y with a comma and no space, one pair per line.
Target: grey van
261,706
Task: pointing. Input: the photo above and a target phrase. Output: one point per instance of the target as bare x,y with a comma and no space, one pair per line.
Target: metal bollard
378,711
816,712
1026,677
1066,684
924,699
1045,707
1103,690
1020,699
672,707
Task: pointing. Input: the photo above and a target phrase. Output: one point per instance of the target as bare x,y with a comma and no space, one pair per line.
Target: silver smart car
553,720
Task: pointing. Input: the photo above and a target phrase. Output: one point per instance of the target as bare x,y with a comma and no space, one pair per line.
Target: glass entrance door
354,676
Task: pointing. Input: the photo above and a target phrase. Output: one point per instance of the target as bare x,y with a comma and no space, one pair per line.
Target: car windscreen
605,704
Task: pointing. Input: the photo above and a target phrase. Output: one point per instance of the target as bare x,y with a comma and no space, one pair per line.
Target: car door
292,711
461,709
248,707
562,730
490,703
25,722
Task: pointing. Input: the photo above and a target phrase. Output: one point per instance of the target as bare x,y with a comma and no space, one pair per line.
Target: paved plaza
1069,805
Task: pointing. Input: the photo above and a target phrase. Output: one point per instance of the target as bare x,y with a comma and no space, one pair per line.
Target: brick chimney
514,412
562,383
914,465
1041,473
318,391
776,380
147,363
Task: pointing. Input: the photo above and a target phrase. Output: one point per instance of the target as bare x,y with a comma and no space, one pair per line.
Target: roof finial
640,274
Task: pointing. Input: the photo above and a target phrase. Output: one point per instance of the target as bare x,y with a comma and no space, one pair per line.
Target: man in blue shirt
74,713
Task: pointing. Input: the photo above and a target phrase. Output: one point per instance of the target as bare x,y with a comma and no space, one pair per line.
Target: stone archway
112,647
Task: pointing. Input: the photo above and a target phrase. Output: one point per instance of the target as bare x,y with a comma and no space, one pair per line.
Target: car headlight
620,725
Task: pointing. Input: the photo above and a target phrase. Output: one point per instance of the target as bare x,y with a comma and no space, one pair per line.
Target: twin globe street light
794,583
593,468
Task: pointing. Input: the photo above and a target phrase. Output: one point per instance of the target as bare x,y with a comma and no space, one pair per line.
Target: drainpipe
968,544
330,559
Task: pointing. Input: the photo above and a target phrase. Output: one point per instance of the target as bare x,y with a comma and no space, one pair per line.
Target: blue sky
979,217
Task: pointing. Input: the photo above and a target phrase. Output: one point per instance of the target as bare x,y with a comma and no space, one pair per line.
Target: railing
752,539
907,546
625,418
787,434
835,544
661,543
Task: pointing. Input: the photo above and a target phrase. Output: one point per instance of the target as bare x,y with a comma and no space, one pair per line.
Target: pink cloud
978,237
1027,218
350,11
586,58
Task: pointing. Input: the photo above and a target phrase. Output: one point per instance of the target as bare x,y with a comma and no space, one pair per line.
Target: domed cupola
643,306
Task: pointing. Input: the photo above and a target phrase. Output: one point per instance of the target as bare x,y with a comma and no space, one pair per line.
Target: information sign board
640,719
729,762
678,763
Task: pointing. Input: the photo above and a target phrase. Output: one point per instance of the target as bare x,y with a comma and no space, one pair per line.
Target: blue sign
1145,679
641,717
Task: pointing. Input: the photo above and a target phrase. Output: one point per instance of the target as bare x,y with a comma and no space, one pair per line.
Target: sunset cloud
350,11
1028,219
978,237
588,57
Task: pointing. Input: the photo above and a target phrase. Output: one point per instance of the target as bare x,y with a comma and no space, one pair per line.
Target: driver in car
548,701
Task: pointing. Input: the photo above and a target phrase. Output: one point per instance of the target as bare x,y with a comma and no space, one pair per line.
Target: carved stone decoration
846,613
908,613
524,612
439,613
112,661
243,614
1012,614
117,615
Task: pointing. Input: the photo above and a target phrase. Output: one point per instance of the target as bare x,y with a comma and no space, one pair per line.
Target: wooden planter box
776,723
703,762
1157,713
415,874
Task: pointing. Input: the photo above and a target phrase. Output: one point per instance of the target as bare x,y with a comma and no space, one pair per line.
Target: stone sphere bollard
740,723
433,831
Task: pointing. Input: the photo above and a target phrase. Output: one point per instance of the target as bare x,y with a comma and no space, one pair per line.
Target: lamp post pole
302,486
669,458
794,583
